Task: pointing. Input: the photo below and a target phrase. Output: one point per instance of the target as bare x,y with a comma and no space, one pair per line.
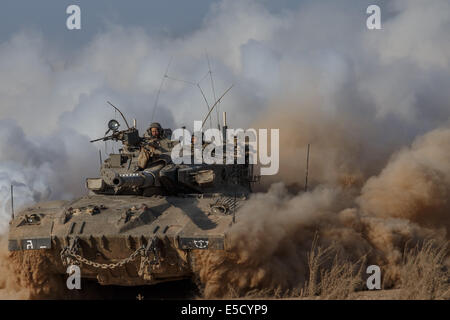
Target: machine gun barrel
110,137
100,139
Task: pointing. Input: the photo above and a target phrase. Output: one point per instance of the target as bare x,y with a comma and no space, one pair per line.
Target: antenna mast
12,202
307,169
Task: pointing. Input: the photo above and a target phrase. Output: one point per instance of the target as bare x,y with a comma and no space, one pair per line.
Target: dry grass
423,274
341,280
330,277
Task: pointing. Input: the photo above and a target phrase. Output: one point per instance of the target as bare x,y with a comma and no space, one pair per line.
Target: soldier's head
155,130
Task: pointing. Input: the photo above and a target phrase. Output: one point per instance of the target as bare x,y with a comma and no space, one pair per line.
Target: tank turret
121,173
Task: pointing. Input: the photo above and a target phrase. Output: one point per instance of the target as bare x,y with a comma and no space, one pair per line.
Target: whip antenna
160,87
213,89
123,117
206,101
307,169
215,104
196,85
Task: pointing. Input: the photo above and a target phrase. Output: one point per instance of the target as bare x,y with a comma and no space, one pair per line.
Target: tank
136,225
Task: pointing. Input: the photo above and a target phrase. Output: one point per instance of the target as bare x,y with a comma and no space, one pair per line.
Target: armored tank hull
125,240
143,218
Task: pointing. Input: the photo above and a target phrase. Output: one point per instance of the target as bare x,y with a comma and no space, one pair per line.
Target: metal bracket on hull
151,259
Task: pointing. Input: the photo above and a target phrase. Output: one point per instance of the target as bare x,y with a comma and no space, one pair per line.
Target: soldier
155,145
155,131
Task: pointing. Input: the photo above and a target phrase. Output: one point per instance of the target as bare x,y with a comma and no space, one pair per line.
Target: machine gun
129,137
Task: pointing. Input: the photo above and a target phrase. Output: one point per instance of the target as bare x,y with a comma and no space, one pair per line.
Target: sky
173,18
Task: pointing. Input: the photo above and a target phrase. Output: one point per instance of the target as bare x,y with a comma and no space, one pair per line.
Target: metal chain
77,257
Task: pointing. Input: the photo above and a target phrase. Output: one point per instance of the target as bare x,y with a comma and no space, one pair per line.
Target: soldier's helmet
157,126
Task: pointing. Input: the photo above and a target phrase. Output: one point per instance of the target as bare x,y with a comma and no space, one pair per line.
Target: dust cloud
30,275
404,205
10,287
